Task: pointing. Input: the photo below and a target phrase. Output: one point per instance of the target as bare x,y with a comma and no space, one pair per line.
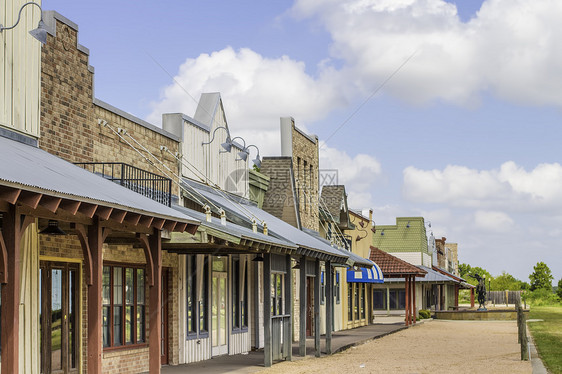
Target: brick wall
305,159
70,130
279,199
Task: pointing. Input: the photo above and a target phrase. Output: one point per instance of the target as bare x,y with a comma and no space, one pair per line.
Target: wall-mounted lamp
244,155
227,146
258,258
408,225
382,232
297,265
52,228
213,136
40,33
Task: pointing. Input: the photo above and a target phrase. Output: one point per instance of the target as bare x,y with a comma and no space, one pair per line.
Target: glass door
59,317
219,321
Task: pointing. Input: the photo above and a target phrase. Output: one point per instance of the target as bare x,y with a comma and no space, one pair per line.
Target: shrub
424,314
541,297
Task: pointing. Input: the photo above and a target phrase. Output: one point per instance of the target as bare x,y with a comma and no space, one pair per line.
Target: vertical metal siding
20,69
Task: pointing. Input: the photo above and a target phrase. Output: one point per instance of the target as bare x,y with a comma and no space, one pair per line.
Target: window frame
135,306
200,310
239,281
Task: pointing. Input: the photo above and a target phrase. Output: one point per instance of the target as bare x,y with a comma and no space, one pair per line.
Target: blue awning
364,275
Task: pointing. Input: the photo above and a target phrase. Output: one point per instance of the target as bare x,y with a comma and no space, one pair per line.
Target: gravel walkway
432,347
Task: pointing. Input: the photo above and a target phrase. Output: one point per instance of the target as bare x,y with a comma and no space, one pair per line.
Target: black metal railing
153,186
343,238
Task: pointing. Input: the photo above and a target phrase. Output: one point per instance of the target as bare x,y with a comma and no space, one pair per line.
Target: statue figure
481,290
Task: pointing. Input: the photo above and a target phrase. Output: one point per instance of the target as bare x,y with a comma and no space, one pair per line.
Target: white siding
20,59
426,260
413,258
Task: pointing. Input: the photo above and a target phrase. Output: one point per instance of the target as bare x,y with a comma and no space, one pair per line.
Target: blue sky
466,134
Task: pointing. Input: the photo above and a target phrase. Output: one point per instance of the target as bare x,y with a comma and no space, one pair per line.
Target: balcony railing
153,186
343,238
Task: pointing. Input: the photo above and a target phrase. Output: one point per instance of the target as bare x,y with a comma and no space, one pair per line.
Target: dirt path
432,347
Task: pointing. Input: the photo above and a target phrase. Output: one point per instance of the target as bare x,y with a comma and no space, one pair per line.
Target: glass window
203,298
191,287
337,287
363,286
322,289
244,304
123,298
236,293
350,301
277,307
356,306
379,299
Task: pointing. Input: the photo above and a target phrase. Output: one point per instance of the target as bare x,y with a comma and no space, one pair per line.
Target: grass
548,335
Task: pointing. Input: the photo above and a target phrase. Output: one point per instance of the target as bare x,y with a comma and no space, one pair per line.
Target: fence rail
153,186
280,336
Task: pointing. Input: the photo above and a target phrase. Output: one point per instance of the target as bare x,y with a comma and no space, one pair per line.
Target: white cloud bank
509,188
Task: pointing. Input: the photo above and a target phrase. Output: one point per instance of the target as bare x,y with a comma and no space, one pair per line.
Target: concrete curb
536,362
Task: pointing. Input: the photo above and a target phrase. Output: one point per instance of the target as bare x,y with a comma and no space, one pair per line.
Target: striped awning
364,275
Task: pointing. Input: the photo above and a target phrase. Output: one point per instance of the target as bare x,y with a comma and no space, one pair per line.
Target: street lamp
40,33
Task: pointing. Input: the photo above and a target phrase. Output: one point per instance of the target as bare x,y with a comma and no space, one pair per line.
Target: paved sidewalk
253,361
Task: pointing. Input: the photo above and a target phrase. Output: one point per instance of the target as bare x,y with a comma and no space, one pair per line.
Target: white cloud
493,221
510,187
256,92
510,47
358,174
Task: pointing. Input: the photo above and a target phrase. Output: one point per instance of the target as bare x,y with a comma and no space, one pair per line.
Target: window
191,287
379,299
277,280
356,306
363,286
322,289
337,288
350,301
196,296
124,313
239,294
397,299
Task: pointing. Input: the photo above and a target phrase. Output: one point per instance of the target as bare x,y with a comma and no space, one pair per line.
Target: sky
449,110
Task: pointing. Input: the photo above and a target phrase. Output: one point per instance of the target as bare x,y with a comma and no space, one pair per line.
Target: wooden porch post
407,298
14,224
155,324
302,307
267,348
328,275
457,296
288,333
472,297
317,308
96,237
414,314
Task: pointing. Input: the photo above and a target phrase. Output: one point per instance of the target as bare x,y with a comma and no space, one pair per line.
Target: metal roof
235,230
241,208
30,168
432,276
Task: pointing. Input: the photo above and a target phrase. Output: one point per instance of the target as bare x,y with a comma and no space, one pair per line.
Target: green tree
541,278
559,290
465,270
507,281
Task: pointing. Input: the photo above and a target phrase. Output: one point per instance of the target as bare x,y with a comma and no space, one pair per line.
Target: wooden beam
13,226
71,206
104,212
118,215
30,199
50,203
180,227
10,195
302,307
144,242
3,260
88,209
82,234
146,221
170,225
132,218
158,223
96,236
192,228
155,305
